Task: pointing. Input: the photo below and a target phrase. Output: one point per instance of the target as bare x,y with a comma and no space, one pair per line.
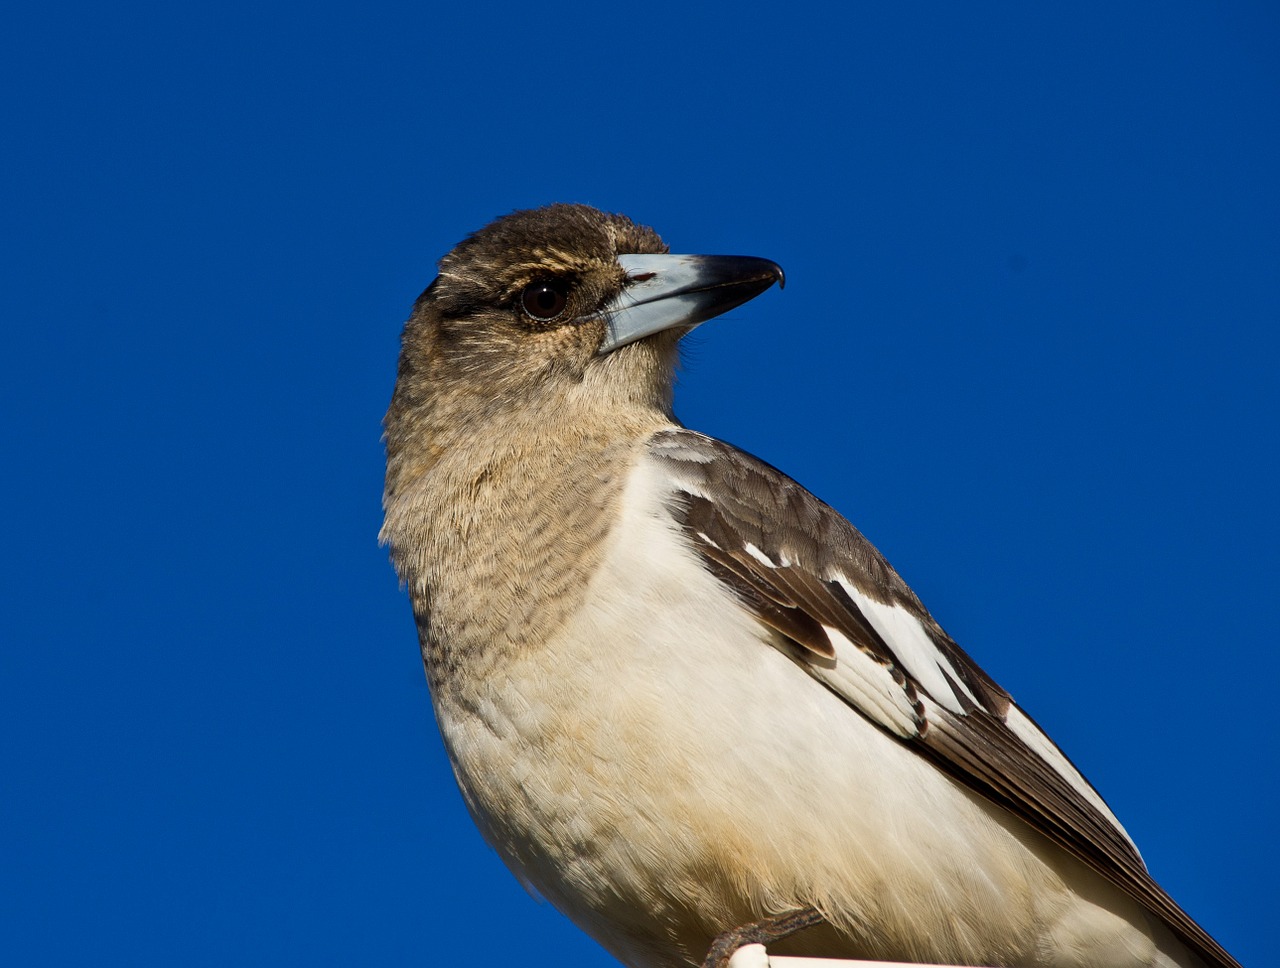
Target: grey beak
681,291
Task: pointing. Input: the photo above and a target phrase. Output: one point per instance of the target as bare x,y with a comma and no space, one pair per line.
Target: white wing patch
867,685
1027,731
913,648
759,555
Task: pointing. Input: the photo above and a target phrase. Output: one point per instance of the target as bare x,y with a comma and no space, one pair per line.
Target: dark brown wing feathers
781,549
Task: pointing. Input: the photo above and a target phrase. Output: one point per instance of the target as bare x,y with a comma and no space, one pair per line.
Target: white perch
755,956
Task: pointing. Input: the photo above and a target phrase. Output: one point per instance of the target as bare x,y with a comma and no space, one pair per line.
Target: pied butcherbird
681,695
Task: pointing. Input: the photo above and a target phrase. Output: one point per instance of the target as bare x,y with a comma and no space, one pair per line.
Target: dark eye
544,300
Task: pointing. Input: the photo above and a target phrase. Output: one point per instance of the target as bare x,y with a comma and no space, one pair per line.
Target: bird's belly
661,772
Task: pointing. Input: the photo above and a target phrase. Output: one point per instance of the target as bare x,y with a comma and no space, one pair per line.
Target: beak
680,291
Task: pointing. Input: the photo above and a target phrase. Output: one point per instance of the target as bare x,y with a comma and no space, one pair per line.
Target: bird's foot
765,931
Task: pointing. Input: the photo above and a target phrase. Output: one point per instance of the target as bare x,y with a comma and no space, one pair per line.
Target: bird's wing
859,630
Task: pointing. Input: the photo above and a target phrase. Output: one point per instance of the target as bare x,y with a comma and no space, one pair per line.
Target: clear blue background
1028,344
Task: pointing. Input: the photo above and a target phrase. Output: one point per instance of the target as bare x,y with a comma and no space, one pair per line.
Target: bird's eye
544,300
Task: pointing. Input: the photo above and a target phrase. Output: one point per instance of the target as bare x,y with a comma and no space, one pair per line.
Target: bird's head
550,304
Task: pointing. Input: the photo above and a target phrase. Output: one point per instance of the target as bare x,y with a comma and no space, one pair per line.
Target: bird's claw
765,931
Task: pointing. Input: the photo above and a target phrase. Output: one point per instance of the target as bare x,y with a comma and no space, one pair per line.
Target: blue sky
1028,345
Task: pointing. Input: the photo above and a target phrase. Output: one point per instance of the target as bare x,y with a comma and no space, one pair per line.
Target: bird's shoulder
811,575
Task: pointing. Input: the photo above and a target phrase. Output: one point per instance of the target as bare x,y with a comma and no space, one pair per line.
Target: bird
685,700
